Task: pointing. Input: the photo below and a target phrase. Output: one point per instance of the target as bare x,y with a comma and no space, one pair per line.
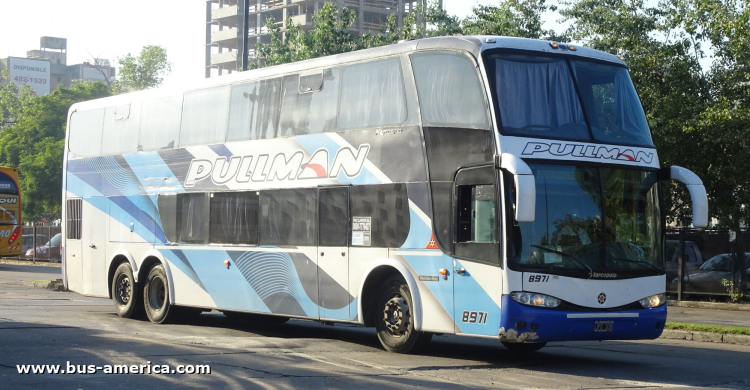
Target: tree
35,145
698,116
13,100
144,71
515,18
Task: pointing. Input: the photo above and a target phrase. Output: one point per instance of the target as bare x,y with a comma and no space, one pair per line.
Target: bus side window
234,218
288,217
372,94
86,132
204,116
121,129
254,110
160,123
184,217
309,103
450,91
386,207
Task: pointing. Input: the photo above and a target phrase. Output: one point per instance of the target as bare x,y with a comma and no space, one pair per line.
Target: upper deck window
450,92
372,94
558,98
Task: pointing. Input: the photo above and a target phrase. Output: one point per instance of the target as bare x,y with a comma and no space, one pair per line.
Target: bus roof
472,44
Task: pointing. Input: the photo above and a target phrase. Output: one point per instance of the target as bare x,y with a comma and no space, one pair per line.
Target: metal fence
40,243
704,262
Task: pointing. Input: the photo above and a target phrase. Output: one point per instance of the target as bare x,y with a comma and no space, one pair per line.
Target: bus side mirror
525,185
697,193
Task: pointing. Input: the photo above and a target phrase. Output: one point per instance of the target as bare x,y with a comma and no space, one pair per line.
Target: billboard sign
31,72
94,73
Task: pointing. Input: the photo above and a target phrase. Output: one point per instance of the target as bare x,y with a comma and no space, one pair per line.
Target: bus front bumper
521,323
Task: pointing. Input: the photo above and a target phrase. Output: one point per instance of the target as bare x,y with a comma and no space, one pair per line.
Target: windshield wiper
591,272
638,262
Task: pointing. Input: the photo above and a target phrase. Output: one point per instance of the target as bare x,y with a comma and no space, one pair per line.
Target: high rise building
226,20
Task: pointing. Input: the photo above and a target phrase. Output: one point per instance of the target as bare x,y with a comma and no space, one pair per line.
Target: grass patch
721,329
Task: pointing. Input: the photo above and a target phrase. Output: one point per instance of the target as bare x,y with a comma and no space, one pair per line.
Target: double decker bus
479,186
10,212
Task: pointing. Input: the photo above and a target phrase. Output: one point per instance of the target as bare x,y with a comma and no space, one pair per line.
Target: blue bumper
525,323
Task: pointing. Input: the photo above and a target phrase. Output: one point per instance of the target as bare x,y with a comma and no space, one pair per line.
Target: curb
31,263
710,305
705,337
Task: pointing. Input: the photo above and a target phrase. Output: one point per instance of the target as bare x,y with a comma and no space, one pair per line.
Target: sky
97,29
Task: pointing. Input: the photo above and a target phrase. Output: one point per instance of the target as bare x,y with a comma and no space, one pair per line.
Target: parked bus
10,212
479,186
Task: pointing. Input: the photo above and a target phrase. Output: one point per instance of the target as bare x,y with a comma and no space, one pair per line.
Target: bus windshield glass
7,185
604,221
567,99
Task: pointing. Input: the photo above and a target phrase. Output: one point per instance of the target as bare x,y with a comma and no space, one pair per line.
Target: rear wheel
394,318
125,293
156,297
523,347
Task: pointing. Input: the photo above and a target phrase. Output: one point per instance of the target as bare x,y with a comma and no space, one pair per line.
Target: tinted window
86,132
168,216
387,207
7,185
310,103
450,92
372,94
121,129
334,216
234,218
288,217
160,123
192,218
204,116
254,110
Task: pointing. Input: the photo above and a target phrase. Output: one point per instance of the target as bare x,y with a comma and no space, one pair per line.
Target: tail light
14,235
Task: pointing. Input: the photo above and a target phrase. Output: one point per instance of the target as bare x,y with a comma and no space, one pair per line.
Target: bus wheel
523,347
156,297
125,293
394,318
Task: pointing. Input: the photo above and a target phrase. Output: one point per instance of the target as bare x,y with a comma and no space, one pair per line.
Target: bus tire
156,297
523,347
394,318
125,293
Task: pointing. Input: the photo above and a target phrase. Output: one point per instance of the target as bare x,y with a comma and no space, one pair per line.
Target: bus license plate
603,326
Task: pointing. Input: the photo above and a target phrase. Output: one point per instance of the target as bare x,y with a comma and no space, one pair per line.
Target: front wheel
394,318
523,347
156,297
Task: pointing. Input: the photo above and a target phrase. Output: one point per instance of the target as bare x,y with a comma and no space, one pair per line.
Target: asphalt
693,315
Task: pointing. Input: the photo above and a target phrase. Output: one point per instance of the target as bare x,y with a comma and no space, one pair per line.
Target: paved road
43,327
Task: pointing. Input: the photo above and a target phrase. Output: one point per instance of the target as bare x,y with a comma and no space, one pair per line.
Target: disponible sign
34,73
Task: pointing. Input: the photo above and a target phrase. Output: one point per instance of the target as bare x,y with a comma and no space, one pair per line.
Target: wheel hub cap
123,290
396,315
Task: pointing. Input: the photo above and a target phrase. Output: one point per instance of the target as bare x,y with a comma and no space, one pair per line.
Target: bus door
333,253
94,229
477,282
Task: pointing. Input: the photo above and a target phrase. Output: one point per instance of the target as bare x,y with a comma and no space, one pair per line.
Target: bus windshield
599,220
567,99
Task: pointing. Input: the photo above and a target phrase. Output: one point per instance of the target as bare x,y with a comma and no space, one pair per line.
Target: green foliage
35,144
13,100
143,71
735,295
514,18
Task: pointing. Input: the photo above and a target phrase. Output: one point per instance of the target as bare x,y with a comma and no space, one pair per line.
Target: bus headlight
654,301
534,299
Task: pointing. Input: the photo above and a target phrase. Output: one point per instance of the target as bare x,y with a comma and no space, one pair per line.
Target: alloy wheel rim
396,316
124,290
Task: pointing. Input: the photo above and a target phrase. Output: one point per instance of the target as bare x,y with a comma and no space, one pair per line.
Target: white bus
479,186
